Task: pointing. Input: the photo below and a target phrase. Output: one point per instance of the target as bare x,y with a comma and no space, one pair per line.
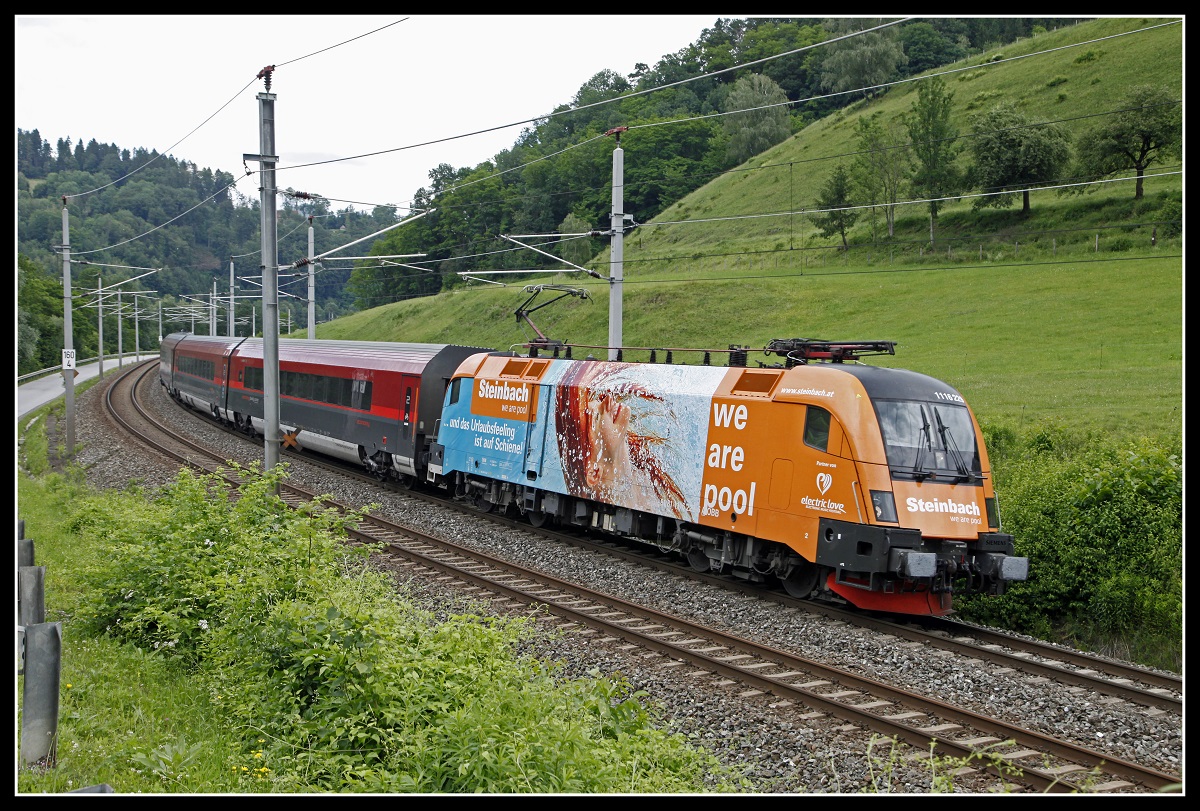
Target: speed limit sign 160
68,358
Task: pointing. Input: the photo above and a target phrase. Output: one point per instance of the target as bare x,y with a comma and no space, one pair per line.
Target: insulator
620,354
707,359
653,356
669,360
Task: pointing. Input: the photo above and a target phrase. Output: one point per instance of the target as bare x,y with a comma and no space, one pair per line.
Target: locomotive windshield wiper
964,474
923,442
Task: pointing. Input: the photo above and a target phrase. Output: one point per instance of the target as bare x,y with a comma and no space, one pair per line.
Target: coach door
535,430
408,414
226,367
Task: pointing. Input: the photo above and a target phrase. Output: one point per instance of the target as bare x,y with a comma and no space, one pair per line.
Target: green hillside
1073,314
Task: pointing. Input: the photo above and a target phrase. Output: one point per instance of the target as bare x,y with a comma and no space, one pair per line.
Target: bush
1172,215
184,565
1102,525
342,686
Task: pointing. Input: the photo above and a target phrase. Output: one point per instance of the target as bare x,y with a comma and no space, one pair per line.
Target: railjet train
837,479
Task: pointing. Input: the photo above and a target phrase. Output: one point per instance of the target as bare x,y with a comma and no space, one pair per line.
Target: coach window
364,389
816,428
320,391
254,378
303,384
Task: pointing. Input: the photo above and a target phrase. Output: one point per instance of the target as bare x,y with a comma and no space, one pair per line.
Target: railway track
1142,686
993,746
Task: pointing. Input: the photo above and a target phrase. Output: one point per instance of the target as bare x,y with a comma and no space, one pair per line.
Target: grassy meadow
1095,343
1073,314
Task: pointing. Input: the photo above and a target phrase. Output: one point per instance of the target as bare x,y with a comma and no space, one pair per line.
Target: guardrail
39,660
39,647
51,370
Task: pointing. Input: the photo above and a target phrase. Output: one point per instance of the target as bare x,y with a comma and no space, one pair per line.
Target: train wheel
406,481
698,560
482,504
802,581
537,518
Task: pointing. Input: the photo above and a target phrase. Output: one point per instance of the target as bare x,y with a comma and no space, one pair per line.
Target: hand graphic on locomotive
838,479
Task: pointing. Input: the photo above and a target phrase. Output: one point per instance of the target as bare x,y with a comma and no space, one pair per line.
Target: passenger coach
370,402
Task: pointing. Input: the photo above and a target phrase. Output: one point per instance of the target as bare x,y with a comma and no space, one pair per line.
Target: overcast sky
344,85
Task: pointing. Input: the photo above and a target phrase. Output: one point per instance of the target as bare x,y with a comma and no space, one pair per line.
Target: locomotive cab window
455,388
816,428
924,439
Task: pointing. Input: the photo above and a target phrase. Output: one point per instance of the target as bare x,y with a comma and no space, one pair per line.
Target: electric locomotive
839,480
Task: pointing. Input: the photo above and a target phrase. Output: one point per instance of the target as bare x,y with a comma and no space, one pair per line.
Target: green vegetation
1095,343
268,656
675,143
1101,522
698,213
1062,325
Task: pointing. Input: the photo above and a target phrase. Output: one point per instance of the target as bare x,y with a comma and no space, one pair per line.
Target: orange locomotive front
839,480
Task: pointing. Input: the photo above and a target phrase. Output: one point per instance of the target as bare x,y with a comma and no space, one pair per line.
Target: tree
39,317
882,166
836,216
1013,153
1148,128
864,62
927,48
768,38
603,85
576,250
933,139
663,164
764,122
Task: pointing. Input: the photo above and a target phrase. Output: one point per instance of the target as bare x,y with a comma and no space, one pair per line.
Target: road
37,393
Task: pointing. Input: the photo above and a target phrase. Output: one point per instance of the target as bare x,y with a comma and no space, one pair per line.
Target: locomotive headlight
885,505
